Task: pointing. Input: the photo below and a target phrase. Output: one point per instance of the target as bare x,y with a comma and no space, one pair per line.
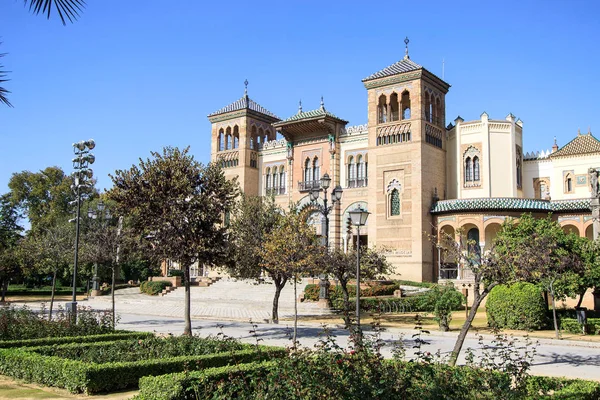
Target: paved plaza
228,306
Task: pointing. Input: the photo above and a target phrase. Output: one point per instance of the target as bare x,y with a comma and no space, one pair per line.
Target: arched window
438,112
221,140
519,172
427,107
268,179
405,105
228,139
307,171
275,179
253,138
468,170
395,202
260,137
394,107
281,180
316,170
236,137
360,171
382,109
569,184
473,241
351,172
476,168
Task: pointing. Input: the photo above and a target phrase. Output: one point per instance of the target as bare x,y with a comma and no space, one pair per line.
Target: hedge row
420,303
118,335
84,377
277,380
154,287
183,385
415,284
571,325
311,291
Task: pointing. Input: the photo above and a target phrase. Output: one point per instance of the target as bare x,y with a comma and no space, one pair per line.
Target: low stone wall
175,280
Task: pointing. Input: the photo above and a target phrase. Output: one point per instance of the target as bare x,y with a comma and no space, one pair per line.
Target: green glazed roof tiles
242,104
319,112
582,144
405,65
509,204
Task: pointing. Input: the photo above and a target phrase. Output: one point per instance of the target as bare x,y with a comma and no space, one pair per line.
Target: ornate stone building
411,170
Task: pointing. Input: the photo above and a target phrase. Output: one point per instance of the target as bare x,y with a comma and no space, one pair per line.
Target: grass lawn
11,389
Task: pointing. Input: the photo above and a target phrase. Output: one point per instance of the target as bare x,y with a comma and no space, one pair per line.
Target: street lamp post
83,159
336,196
359,218
103,214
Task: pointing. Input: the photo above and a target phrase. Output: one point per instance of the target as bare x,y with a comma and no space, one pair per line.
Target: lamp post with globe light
83,159
325,210
359,218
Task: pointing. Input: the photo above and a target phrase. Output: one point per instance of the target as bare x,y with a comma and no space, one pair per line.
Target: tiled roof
319,112
582,144
509,204
405,65
244,103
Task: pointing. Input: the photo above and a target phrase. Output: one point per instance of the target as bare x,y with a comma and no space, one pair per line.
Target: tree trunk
187,312
460,340
580,298
346,296
556,331
4,288
279,284
295,311
112,294
52,295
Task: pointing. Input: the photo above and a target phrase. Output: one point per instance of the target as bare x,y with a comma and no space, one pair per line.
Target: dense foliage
22,323
154,287
518,306
356,375
311,291
571,325
48,341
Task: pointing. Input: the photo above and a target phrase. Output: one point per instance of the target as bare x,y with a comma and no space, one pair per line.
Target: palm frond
3,92
66,9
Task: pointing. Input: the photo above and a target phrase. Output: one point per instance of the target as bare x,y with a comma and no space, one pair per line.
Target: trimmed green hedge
85,377
183,385
415,284
154,287
311,291
571,325
118,335
519,306
392,379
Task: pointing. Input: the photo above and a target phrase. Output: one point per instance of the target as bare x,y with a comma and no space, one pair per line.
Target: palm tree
68,10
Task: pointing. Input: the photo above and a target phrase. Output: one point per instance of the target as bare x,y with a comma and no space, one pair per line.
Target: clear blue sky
139,75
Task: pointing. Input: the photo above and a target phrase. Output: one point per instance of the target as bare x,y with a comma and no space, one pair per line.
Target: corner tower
237,132
407,153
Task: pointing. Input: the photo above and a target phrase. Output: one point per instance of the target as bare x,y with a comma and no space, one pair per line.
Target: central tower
407,151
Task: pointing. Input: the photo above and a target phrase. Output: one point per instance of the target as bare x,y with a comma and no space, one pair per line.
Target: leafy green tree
10,235
180,204
540,251
43,197
588,253
49,251
342,266
291,250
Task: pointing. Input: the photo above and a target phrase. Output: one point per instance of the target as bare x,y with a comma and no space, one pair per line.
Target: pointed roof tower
244,104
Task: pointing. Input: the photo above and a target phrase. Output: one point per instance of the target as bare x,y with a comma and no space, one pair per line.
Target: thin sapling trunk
52,295
187,311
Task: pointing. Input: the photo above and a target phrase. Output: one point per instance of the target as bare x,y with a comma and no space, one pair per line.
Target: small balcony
355,183
275,191
307,186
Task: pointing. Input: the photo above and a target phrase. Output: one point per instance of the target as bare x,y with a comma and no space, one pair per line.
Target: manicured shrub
22,323
118,335
519,306
446,299
571,325
89,377
355,375
154,287
138,350
311,291
415,284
